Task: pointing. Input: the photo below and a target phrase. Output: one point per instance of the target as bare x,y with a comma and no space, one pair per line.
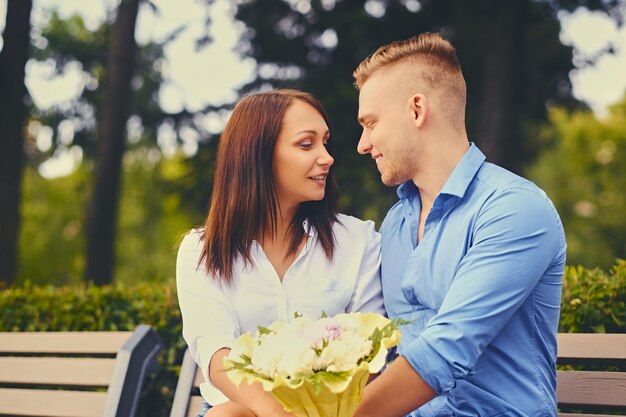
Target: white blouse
214,315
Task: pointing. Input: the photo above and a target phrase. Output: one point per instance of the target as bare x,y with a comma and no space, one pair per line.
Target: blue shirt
483,289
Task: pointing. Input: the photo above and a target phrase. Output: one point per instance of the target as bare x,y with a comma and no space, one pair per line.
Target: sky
195,78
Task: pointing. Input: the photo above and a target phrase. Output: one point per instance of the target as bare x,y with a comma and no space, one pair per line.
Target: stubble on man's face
385,94
397,161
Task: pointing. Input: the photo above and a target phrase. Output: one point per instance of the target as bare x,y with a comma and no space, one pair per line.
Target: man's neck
436,170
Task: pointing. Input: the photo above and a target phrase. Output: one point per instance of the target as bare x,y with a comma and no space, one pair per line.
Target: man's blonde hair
427,49
428,59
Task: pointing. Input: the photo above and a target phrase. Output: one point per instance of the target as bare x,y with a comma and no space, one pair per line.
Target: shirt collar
309,230
460,179
458,182
407,190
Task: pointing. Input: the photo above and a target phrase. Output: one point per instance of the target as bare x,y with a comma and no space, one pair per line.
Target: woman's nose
325,158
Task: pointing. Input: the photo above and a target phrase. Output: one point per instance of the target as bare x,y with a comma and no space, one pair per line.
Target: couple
472,254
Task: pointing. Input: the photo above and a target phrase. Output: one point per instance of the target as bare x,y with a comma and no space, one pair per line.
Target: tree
13,111
510,52
70,44
583,170
102,210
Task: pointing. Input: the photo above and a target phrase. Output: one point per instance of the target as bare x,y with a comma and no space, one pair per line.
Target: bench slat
198,378
34,403
195,405
62,342
591,388
591,347
91,372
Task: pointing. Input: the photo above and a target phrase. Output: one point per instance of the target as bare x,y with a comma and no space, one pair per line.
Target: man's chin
390,182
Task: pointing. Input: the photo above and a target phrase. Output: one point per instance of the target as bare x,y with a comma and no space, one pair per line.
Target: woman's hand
252,397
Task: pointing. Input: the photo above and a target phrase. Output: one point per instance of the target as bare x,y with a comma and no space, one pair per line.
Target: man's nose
364,146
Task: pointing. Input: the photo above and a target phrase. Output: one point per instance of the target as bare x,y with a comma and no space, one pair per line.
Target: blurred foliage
52,219
593,301
66,43
153,217
315,45
113,308
583,170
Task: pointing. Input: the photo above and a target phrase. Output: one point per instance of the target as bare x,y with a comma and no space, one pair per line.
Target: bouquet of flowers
315,368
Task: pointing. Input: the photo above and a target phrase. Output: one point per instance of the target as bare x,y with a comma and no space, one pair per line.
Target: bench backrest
75,374
602,383
584,390
187,398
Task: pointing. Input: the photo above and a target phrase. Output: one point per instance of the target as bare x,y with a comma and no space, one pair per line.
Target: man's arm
396,392
511,251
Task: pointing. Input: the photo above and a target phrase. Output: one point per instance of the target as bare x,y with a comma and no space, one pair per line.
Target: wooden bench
594,389
75,374
576,390
187,398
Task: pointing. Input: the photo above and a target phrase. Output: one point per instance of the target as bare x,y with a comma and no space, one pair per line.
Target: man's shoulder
494,182
499,178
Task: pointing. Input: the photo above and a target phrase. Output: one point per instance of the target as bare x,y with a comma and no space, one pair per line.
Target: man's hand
395,393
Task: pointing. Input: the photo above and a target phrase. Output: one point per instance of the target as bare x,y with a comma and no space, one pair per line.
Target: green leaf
263,330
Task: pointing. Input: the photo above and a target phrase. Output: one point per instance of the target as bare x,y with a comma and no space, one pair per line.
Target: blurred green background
95,248
144,169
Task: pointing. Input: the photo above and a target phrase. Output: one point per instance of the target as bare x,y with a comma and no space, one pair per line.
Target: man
472,254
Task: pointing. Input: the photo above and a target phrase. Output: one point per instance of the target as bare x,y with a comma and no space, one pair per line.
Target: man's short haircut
430,60
428,49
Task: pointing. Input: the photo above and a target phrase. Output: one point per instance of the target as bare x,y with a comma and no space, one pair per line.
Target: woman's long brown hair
244,198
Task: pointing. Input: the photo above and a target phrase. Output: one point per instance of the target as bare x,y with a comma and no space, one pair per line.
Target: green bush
113,308
593,301
582,167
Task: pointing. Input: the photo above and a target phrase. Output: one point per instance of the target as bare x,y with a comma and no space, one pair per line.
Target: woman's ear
418,105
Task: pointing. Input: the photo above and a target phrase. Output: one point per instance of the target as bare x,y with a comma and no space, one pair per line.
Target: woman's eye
306,145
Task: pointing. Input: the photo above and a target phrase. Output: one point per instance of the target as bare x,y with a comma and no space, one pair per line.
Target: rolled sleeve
511,250
430,366
209,322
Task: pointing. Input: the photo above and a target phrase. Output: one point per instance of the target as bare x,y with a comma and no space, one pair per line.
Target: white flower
297,359
299,349
344,354
265,357
319,331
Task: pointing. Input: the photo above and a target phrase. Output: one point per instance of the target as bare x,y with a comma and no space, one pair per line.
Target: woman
273,244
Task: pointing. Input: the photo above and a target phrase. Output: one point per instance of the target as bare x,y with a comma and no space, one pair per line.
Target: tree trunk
13,109
102,209
499,133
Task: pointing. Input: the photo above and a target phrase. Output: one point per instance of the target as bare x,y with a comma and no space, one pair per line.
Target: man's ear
418,106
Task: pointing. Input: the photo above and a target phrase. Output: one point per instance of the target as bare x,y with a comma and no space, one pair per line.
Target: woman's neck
277,232
276,243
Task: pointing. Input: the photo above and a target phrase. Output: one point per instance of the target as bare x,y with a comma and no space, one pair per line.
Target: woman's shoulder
353,226
191,242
